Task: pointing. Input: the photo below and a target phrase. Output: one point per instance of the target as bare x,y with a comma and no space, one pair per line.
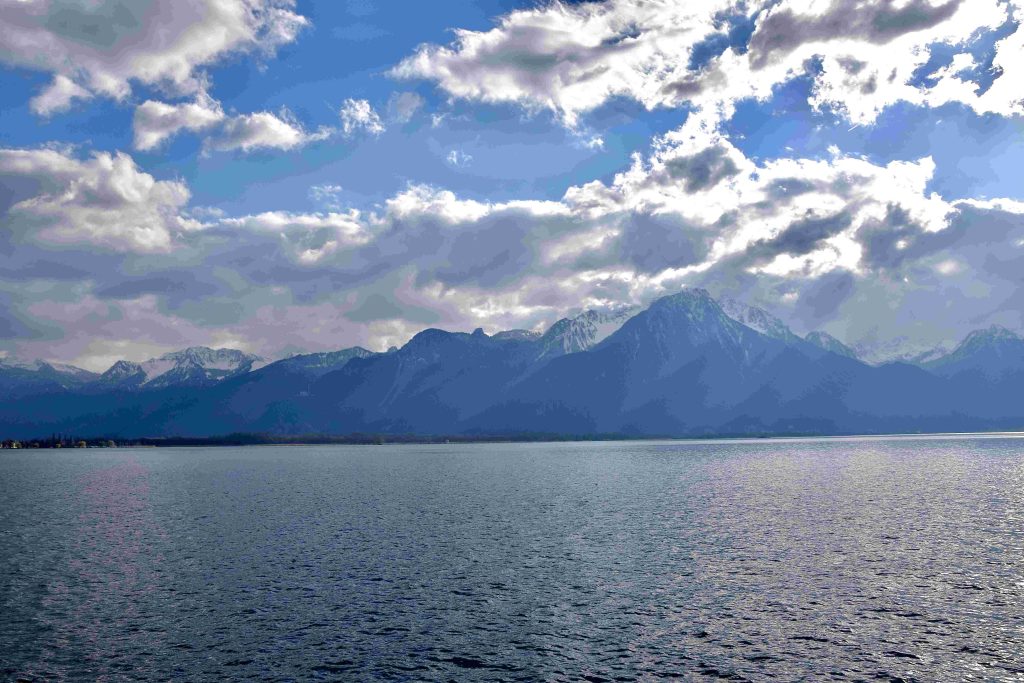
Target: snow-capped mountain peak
990,336
826,341
583,331
757,319
194,365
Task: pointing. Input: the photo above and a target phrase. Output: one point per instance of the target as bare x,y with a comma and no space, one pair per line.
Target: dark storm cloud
694,83
375,307
100,25
175,286
785,189
378,306
782,30
15,187
488,254
653,243
43,268
19,323
703,170
898,238
15,325
822,296
488,251
524,54
213,311
800,237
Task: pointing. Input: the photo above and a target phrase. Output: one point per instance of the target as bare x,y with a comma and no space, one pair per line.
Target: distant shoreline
236,440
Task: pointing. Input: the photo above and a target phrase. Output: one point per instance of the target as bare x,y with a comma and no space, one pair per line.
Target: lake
821,559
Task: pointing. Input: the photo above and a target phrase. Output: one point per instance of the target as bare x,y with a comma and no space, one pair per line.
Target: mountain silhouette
684,366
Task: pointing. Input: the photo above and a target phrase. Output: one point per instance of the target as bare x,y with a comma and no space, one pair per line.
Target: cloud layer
101,48
863,56
106,259
837,243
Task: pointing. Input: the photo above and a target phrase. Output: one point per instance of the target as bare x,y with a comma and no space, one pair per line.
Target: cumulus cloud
58,96
309,238
358,115
101,48
264,130
155,122
1005,96
864,250
104,201
862,56
569,58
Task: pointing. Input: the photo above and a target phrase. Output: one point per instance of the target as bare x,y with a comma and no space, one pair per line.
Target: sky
286,176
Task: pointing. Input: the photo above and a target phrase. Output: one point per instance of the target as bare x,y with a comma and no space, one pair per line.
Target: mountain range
687,365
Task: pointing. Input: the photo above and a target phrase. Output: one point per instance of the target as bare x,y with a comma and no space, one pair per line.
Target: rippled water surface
802,560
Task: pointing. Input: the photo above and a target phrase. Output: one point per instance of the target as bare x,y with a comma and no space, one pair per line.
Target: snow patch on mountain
584,331
194,365
757,319
824,340
900,350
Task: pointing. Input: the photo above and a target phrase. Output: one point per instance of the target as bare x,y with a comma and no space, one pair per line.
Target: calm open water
891,559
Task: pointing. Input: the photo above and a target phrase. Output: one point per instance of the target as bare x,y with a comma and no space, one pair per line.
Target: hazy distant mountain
900,350
826,341
994,353
987,371
924,357
196,366
263,400
520,335
431,385
17,377
685,365
316,364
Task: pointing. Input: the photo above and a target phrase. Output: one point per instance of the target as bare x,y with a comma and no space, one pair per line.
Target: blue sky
296,176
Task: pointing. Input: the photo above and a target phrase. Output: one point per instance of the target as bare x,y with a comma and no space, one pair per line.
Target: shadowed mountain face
993,354
987,369
685,366
18,379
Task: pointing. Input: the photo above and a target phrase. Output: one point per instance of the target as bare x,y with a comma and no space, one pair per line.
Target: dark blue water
805,560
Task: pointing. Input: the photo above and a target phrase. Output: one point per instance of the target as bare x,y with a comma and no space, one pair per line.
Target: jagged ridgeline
686,365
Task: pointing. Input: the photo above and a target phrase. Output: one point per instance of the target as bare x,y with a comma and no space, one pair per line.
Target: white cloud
100,48
327,194
358,115
264,130
104,201
309,238
58,96
571,59
403,105
1006,95
840,242
155,122
458,158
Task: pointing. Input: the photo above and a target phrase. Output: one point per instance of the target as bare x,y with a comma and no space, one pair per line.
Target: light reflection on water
98,597
803,559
